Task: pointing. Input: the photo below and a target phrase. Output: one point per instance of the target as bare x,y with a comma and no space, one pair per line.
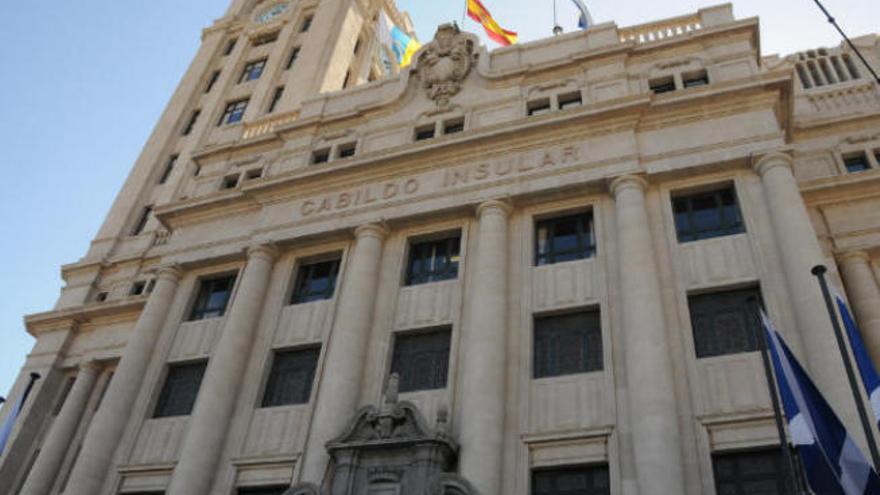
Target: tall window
234,112
315,281
190,125
291,377
581,480
169,167
431,261
212,298
294,54
749,473
212,81
180,389
564,239
307,23
707,214
568,344
252,71
276,97
229,47
421,360
725,322
141,224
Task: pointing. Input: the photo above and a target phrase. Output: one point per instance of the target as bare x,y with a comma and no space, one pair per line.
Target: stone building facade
531,270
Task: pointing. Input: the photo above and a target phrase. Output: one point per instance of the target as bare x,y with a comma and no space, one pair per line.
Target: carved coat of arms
445,62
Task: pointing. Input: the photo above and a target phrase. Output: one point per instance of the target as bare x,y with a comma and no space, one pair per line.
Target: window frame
163,408
197,313
253,70
439,377
583,251
276,97
850,158
292,57
305,269
592,359
726,227
769,450
141,225
451,265
234,112
273,393
592,468
191,123
708,343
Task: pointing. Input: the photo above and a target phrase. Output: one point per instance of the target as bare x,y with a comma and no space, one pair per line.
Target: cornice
50,320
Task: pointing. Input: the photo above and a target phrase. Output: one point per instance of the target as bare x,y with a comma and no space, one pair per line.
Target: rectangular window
252,70
291,377
568,344
453,126
212,298
662,85
253,174
695,79
265,39
570,100
856,163
347,79
307,23
321,156
138,288
212,81
581,480
180,389
538,107
421,360
432,261
749,473
230,182
294,54
425,132
315,281
276,97
169,167
192,122
263,490
346,150
707,214
229,47
565,238
725,322
68,386
234,112
142,221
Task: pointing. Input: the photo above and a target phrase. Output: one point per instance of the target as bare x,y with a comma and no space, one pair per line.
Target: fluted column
800,251
340,385
649,379
95,458
864,296
485,350
218,394
53,450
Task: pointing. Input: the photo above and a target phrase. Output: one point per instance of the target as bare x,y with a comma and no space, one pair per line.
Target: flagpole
819,271
464,13
790,480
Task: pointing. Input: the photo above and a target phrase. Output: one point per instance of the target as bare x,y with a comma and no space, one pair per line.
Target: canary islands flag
479,13
403,45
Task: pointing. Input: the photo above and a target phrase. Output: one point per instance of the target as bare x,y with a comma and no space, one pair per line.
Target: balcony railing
268,125
662,30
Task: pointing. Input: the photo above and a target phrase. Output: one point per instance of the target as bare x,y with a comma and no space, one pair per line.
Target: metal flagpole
464,13
790,481
557,29
819,272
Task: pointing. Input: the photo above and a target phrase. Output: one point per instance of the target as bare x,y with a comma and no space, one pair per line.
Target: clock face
272,12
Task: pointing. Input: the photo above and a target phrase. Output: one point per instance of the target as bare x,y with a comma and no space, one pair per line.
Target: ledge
51,320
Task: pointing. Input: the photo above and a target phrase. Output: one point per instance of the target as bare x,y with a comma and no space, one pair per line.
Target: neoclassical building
530,270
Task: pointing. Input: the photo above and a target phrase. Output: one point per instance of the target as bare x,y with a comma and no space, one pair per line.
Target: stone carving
445,62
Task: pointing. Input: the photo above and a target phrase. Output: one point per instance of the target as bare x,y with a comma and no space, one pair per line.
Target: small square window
707,214
538,107
252,70
229,47
321,156
453,126
169,167
695,79
568,344
725,322
234,112
662,85
422,360
180,390
346,150
565,238
856,163
570,100
425,132
579,480
212,298
192,122
253,174
306,24
138,288
315,281
230,181
432,261
291,377
294,54
212,81
756,472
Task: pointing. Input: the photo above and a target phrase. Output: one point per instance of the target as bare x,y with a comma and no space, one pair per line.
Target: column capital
378,230
626,182
503,206
762,163
855,256
170,272
266,251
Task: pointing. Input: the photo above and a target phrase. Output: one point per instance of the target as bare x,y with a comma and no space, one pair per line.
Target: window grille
725,322
565,238
586,480
180,389
707,214
568,344
422,360
291,377
432,261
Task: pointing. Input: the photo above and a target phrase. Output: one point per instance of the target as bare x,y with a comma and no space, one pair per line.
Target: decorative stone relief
445,62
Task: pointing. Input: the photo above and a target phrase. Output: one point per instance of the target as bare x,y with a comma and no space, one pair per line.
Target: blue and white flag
833,463
585,21
9,422
866,367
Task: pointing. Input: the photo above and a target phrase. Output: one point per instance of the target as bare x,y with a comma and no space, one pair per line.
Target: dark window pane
263,490
568,344
291,377
587,480
421,360
707,215
234,112
724,322
749,473
180,390
315,281
294,54
253,70
142,221
664,85
192,122
564,239
212,298
856,164
432,261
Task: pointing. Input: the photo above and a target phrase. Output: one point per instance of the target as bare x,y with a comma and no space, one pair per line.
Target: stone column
799,250
96,457
485,349
45,469
215,404
864,296
649,378
340,386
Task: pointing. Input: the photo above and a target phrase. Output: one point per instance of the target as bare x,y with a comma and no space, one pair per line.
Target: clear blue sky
85,82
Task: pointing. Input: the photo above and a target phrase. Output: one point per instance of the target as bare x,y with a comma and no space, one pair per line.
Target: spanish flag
477,12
